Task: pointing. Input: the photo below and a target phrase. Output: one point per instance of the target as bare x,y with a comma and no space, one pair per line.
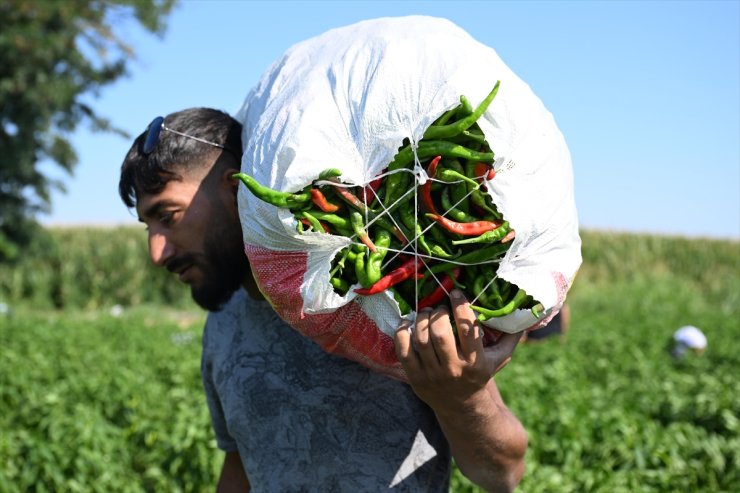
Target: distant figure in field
688,340
558,326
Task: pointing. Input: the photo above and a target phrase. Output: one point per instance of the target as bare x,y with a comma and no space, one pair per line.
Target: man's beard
225,266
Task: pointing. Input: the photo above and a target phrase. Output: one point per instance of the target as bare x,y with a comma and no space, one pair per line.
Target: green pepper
403,305
447,131
438,251
479,291
315,224
395,184
442,120
409,219
477,196
537,310
494,295
487,292
468,136
486,314
375,259
339,284
465,109
487,237
431,148
505,290
333,219
459,191
274,197
329,173
440,238
453,212
339,266
451,176
484,254
358,226
482,199
361,271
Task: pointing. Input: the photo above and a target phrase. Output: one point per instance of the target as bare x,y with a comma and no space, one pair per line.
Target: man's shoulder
233,305
241,319
224,322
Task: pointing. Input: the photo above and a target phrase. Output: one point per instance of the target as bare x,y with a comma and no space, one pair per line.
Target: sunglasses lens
152,136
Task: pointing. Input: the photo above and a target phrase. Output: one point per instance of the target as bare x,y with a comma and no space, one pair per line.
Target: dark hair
175,154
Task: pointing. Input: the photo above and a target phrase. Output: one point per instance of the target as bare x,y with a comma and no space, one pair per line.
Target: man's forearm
487,441
451,371
233,478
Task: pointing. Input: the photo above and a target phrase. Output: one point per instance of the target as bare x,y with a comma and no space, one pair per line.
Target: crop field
100,386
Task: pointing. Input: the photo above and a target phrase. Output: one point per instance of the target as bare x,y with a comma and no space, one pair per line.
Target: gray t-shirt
305,420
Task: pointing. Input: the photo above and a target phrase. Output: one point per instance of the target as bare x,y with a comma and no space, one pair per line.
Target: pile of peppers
417,236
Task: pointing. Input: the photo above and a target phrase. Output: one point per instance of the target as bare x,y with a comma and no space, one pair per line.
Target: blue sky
647,95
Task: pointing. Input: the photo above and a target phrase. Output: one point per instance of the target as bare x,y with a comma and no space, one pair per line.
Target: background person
558,327
289,415
688,340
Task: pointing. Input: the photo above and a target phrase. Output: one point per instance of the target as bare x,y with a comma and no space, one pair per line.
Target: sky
646,93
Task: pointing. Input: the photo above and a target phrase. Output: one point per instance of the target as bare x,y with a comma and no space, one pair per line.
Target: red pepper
475,228
443,289
351,198
509,236
426,189
365,239
483,170
371,189
407,270
320,200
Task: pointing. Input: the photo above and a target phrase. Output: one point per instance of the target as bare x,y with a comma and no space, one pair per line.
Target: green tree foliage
54,55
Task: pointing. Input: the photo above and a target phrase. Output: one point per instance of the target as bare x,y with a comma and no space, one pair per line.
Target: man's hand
453,375
441,370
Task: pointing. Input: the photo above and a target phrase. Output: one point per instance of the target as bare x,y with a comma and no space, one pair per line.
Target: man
289,416
688,340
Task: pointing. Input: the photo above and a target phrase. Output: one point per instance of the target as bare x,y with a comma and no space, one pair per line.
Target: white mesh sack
347,99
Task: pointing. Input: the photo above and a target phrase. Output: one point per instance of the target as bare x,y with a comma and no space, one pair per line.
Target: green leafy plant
98,400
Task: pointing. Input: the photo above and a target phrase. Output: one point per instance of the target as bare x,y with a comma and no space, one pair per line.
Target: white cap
690,337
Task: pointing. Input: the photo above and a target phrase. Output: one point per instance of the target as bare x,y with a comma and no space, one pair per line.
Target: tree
53,55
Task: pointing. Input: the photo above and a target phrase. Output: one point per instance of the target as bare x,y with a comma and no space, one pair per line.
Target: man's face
194,232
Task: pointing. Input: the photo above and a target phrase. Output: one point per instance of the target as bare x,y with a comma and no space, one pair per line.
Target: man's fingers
421,337
501,366
468,331
404,350
499,354
508,342
441,335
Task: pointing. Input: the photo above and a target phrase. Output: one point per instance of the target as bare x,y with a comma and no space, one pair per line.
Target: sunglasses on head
156,127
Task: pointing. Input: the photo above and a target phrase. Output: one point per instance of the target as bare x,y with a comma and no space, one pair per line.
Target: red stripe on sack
347,331
561,285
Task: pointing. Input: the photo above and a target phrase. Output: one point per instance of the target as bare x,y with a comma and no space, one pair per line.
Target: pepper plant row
417,236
